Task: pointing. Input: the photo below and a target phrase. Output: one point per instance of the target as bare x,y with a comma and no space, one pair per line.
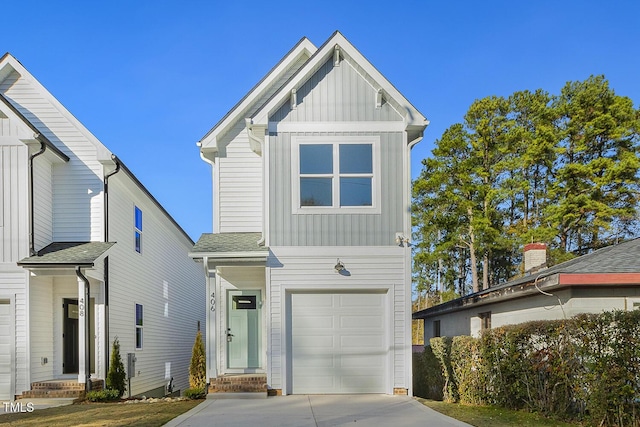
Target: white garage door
338,343
6,347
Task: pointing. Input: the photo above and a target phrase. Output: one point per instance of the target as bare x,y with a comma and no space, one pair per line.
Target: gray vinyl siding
336,94
288,229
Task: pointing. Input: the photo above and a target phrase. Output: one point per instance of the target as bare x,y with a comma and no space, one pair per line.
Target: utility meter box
131,365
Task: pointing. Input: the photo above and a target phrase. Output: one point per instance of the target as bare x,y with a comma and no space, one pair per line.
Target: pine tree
198,368
116,375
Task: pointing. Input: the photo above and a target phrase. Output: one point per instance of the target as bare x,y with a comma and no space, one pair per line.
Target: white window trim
136,229
296,141
141,327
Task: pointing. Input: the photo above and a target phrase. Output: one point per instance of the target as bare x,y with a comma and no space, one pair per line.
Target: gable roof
303,49
8,65
248,107
36,132
612,265
412,117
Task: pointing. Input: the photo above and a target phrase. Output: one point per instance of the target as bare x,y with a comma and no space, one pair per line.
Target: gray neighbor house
604,280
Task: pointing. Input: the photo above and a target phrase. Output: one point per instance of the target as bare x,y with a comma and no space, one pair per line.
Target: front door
243,329
70,336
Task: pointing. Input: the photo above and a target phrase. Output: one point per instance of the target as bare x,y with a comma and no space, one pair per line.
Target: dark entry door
70,336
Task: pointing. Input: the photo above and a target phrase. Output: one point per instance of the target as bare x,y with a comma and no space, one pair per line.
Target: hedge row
586,368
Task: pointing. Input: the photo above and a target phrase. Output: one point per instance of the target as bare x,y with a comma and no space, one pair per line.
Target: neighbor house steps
245,385
59,389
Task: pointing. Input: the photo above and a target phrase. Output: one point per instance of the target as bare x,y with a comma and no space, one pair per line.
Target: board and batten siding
77,200
239,171
341,229
336,94
294,269
163,278
14,207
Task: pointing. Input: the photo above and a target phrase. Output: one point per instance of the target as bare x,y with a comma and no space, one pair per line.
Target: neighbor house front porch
67,349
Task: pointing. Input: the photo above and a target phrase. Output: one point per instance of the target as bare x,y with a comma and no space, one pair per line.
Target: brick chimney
535,257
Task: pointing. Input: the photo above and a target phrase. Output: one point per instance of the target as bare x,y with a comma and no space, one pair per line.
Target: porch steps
238,386
59,389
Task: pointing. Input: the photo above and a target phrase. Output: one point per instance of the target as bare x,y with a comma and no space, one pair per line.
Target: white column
210,327
81,331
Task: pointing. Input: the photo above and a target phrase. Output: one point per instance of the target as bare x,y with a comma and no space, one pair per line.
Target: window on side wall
137,229
436,328
139,326
485,320
335,174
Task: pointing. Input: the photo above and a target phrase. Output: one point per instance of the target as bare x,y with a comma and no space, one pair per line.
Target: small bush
106,395
116,376
198,366
195,393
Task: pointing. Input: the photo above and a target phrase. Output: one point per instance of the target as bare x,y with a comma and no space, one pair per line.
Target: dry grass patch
102,414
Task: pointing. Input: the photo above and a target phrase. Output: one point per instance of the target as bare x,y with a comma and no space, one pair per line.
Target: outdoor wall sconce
339,267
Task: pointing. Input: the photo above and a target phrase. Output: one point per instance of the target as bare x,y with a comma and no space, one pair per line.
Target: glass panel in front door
243,329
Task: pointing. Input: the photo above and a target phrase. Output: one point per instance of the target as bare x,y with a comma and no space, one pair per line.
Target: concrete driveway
321,410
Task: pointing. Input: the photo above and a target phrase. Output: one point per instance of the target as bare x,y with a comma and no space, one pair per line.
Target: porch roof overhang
66,255
230,249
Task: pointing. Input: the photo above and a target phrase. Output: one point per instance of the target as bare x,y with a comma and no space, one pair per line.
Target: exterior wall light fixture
339,267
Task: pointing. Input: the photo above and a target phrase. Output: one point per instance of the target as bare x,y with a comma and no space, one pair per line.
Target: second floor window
335,173
137,232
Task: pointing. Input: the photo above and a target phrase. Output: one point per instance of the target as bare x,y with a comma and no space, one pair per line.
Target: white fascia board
412,116
8,60
304,47
224,255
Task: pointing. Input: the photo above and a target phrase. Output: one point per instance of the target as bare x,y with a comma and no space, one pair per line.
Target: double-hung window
139,325
137,232
335,174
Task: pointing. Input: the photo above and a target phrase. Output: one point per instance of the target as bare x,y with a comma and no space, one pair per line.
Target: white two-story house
308,270
87,254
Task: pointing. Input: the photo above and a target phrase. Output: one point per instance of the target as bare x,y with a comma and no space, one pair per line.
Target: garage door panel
361,300
350,355
362,322
372,342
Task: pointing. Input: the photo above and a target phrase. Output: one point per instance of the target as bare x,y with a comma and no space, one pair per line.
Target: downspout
87,331
213,165
43,147
106,261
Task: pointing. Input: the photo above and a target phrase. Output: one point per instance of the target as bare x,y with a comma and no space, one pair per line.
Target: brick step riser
50,394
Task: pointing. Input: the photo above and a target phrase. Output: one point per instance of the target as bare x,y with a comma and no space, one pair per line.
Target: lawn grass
489,416
101,414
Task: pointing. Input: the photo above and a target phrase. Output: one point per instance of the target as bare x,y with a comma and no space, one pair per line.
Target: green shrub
195,393
106,395
584,369
198,366
427,375
116,376
442,350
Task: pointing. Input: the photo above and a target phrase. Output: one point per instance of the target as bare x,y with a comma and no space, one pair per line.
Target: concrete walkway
321,410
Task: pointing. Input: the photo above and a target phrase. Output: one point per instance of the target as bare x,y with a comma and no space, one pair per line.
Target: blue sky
150,78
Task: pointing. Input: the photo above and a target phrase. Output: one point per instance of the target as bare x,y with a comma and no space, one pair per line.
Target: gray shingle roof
61,254
621,258
230,242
